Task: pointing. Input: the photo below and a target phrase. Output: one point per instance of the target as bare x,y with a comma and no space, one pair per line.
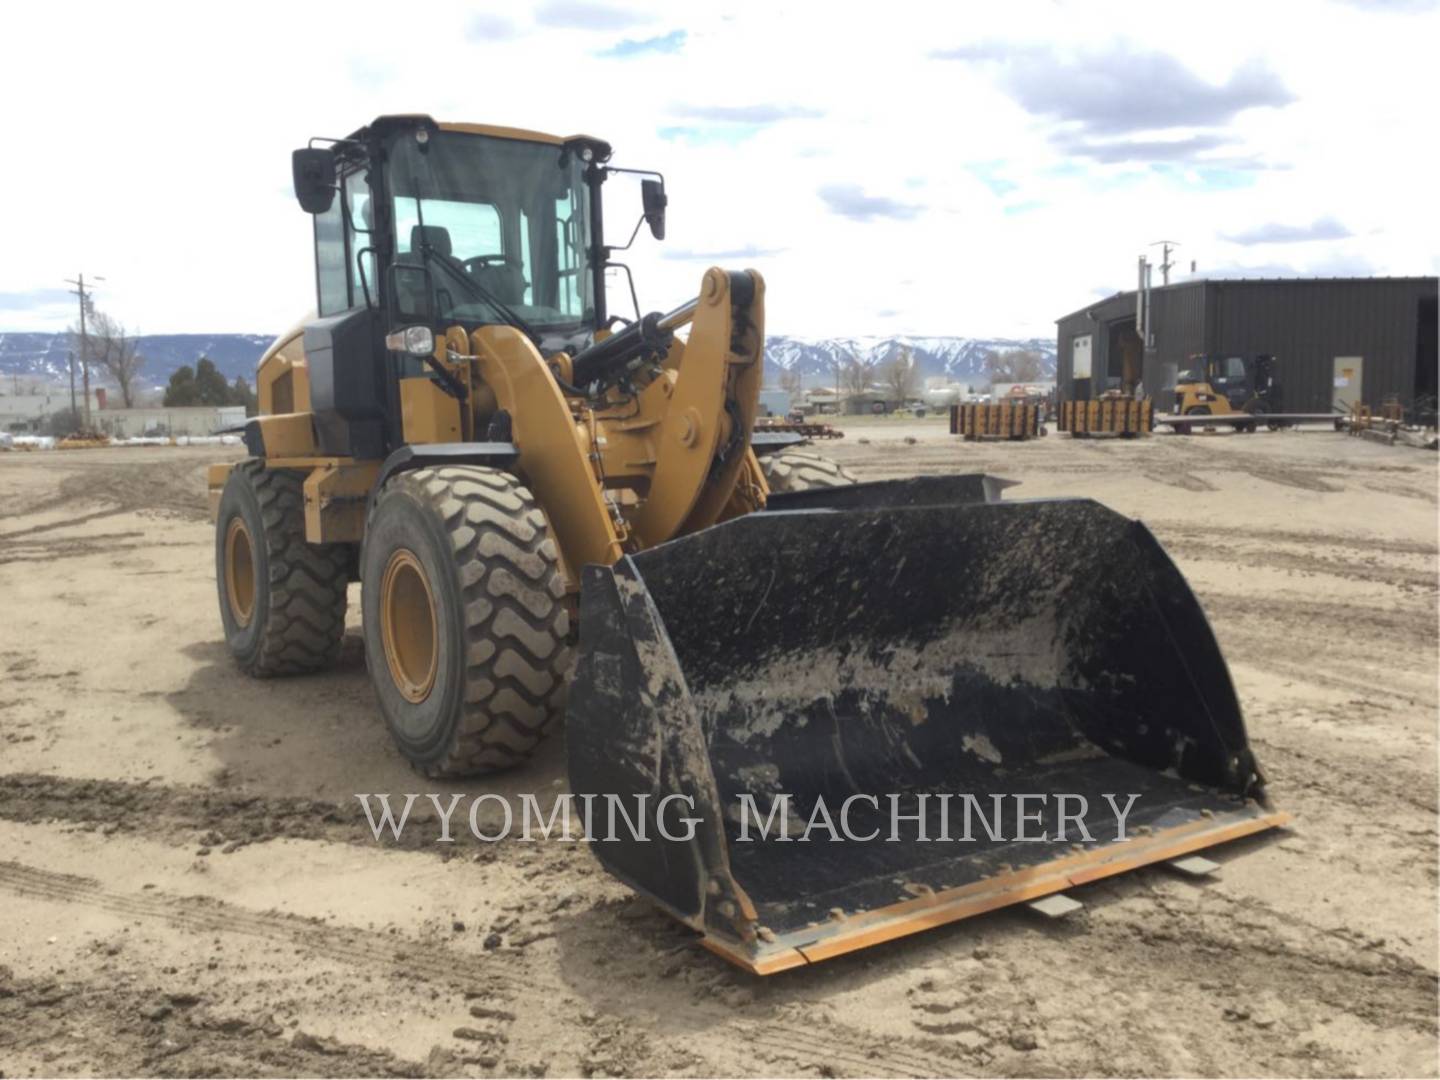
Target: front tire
465,623
800,470
282,600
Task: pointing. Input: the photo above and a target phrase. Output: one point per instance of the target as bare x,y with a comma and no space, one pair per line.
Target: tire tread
306,582
517,624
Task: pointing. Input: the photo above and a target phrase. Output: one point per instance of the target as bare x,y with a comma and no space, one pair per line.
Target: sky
927,169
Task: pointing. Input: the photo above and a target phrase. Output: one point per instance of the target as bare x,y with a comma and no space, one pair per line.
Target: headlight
415,340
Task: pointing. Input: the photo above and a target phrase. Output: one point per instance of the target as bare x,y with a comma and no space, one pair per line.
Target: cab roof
394,120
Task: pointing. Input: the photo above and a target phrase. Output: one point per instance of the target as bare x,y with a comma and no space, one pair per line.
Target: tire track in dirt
1312,961
131,1030
1307,563
206,916
1186,480
1381,624
109,544
172,485
1368,544
490,975
1306,478
184,814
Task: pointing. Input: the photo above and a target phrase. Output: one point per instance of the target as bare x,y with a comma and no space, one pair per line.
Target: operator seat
437,236
408,285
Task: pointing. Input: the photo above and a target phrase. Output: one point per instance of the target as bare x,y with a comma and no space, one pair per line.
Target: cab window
473,227
332,291
361,263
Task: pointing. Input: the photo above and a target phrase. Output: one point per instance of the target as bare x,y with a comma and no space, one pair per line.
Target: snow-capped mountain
958,358
43,357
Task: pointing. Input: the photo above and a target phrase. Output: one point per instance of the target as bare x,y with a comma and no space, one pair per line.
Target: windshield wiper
501,308
460,274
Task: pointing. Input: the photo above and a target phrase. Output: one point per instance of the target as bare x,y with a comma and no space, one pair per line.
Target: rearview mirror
652,195
314,173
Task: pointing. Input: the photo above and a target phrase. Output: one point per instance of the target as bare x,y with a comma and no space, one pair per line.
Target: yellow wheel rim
408,626
239,572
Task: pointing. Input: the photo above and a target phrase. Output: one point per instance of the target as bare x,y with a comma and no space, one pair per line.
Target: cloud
746,114
35,297
1110,152
1325,228
1331,266
665,44
1397,7
587,15
988,173
1121,89
488,27
850,200
977,50
724,134
749,251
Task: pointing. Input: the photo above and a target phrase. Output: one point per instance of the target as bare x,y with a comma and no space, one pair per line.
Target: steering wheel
485,262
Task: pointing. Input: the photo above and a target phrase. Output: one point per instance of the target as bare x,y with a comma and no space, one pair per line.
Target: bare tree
1015,365
857,375
791,382
116,351
900,377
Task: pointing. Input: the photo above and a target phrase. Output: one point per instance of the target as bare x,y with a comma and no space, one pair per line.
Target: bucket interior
1033,648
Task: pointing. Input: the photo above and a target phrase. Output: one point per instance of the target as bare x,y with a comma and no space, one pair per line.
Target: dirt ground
188,887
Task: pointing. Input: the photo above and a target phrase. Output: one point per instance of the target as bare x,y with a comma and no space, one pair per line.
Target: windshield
505,224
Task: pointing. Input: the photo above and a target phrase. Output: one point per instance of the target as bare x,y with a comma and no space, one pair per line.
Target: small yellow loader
556,510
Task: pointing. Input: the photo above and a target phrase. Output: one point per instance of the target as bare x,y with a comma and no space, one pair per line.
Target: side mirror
314,173
652,195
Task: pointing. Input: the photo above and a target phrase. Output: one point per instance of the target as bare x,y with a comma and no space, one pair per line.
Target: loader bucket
954,683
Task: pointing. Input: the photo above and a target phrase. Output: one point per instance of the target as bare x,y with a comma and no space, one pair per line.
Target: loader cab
429,226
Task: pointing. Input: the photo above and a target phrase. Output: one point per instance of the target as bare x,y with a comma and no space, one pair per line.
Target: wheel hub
408,626
239,572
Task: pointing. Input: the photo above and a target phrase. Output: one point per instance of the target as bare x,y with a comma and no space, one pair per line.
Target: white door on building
1349,372
1080,357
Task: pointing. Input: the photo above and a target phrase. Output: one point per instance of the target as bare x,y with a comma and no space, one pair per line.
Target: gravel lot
188,887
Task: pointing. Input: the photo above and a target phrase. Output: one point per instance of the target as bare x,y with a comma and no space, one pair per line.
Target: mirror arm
626,246
637,172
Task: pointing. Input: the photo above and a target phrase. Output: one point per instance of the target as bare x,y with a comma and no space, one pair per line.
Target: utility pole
86,305
1166,246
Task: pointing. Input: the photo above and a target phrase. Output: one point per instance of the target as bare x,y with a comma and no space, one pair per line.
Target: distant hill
44,356
961,359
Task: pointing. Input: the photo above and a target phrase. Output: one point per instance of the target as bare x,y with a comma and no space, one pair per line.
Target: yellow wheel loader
553,510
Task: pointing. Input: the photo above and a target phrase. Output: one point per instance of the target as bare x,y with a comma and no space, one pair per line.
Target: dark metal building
1335,338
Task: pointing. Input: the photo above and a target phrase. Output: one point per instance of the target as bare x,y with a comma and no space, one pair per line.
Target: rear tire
282,600
465,623
799,470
